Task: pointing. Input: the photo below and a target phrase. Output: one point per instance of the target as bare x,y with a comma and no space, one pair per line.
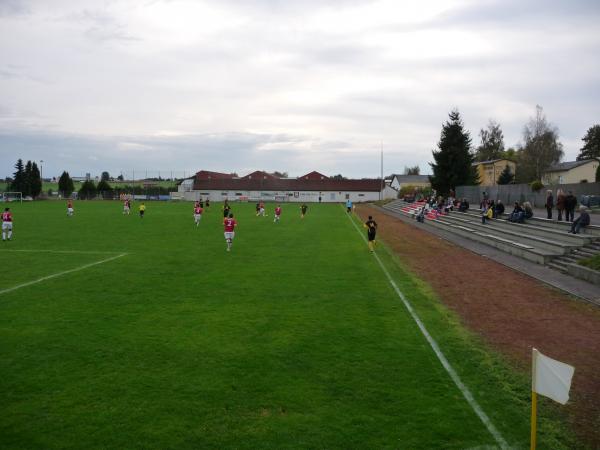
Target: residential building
490,171
571,172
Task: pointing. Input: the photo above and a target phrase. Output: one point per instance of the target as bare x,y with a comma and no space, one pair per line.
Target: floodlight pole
381,190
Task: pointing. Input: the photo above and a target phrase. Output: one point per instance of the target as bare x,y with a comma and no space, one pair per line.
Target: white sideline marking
48,277
457,381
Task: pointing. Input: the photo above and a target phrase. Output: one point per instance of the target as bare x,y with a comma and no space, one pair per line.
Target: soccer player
226,210
207,202
229,223
303,208
262,209
257,209
69,208
126,207
371,227
349,205
142,210
7,225
277,214
198,214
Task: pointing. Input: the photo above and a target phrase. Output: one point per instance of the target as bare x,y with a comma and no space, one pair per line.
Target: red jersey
277,211
229,225
69,204
127,203
6,216
198,210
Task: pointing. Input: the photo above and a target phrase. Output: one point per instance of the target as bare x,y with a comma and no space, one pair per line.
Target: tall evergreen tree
506,177
105,176
453,164
492,143
28,176
415,170
591,148
88,190
18,183
35,181
65,184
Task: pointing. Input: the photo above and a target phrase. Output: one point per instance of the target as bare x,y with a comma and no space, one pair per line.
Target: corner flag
550,378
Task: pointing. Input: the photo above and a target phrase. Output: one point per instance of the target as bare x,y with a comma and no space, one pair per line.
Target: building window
224,193
361,195
238,194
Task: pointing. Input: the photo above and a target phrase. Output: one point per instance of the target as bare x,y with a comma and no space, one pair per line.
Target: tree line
539,150
26,179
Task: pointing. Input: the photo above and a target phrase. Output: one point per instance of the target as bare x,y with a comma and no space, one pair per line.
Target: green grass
115,184
592,263
295,339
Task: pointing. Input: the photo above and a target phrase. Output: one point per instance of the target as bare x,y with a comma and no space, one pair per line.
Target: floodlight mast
382,183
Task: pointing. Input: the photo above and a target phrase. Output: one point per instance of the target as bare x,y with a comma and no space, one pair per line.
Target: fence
510,193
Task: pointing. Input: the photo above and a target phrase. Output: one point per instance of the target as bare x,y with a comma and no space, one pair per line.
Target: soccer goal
12,197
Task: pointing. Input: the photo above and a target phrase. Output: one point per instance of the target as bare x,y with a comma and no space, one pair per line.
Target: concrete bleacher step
529,252
592,230
549,233
557,266
517,236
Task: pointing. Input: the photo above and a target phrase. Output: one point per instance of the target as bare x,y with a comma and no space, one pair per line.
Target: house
571,172
490,171
419,181
260,185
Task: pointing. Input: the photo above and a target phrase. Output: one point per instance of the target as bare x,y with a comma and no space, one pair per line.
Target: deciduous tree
540,150
492,143
591,148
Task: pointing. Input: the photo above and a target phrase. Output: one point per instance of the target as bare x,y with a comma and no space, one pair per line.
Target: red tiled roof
314,175
259,183
207,174
259,175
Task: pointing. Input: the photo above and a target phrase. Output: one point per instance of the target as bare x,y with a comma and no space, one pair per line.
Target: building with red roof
260,185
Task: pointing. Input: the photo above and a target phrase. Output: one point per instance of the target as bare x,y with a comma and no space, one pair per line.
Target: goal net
12,197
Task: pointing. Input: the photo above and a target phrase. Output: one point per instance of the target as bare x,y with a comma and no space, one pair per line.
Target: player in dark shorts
371,227
303,208
226,210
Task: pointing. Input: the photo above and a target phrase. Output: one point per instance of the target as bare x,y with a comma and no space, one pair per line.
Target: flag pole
533,400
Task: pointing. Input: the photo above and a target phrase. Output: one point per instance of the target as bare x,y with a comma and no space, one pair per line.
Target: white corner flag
551,378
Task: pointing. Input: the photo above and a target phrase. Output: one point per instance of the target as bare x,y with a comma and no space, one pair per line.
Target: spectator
560,203
499,209
549,203
581,222
464,205
528,211
570,204
487,213
515,215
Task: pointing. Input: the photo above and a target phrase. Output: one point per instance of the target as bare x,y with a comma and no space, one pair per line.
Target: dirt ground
511,311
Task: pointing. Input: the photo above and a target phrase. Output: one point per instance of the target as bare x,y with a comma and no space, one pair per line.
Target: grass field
295,339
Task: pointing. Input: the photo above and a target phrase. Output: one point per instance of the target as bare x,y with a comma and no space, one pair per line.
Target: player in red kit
126,207
198,214
70,208
229,223
7,224
277,214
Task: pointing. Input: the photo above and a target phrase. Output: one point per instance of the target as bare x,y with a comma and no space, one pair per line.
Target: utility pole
382,182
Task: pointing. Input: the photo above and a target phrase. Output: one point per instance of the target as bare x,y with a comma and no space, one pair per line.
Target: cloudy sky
238,85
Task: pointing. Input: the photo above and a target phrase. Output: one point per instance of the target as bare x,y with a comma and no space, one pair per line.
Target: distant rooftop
560,167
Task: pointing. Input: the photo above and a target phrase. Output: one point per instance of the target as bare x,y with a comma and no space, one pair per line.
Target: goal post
12,197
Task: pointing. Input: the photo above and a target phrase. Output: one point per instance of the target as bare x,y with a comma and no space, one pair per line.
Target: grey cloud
13,8
101,26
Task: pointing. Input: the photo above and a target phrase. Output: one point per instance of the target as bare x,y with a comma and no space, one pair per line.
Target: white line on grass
48,277
457,381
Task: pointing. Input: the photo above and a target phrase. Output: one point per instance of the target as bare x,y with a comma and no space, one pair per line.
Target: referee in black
371,227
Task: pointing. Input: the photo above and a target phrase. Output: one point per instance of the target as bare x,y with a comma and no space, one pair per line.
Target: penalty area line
438,352
59,274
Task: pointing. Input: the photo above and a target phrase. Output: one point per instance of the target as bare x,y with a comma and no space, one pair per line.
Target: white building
312,187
